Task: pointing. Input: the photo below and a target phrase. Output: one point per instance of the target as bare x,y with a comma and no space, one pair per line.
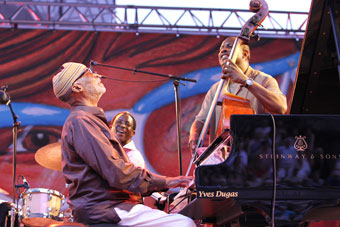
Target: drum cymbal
49,156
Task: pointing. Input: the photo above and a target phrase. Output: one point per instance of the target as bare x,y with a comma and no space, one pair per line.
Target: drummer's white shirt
134,155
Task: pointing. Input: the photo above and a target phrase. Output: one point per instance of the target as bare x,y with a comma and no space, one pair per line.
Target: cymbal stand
16,126
176,82
13,213
5,99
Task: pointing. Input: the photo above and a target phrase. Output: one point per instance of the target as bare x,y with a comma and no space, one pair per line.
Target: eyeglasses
94,74
85,71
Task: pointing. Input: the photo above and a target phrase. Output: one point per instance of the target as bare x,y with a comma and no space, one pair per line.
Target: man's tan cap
64,79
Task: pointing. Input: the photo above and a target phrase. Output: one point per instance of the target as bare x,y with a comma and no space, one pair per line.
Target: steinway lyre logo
300,143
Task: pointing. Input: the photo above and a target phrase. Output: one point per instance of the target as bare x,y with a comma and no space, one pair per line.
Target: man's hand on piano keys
180,181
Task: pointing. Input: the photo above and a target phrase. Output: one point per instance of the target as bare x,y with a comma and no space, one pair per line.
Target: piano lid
317,87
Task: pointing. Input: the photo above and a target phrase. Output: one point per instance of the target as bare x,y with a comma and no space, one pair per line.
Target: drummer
124,125
95,164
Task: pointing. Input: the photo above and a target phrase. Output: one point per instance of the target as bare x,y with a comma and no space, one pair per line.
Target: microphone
224,59
91,66
4,97
224,63
26,185
92,63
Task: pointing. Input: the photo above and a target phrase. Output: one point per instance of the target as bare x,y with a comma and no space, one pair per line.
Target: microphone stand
175,81
16,125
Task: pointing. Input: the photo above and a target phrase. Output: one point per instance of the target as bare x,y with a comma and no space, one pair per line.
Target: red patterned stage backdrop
29,58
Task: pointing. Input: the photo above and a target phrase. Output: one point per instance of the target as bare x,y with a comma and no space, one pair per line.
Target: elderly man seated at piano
102,179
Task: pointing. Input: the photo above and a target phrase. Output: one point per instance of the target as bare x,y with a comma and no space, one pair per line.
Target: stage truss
107,16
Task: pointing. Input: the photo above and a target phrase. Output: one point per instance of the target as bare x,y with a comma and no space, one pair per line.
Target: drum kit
39,207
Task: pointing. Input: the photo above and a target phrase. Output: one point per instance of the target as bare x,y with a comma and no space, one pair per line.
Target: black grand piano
283,170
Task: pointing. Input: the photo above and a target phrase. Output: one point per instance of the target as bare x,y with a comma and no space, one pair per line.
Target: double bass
233,104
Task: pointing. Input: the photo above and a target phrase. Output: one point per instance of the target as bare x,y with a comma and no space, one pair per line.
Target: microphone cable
134,71
134,81
274,172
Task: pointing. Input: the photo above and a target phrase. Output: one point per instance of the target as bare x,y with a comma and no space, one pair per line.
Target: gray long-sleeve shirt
97,168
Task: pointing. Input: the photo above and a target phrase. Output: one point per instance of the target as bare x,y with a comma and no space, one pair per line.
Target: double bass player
259,88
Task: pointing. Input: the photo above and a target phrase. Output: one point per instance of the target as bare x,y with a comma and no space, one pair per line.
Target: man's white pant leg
144,216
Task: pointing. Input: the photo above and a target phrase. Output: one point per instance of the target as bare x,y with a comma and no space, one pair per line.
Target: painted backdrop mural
29,59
